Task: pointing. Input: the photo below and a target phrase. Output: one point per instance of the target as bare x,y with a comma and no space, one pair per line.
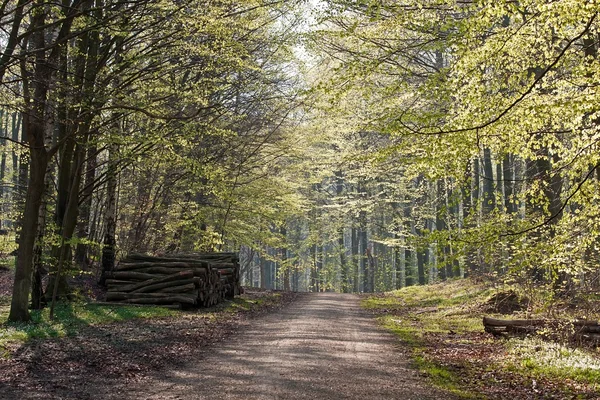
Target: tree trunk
263,271
29,227
83,227
110,216
286,268
34,126
421,261
355,263
489,197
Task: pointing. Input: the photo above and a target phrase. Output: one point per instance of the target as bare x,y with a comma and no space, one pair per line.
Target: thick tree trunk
29,227
34,126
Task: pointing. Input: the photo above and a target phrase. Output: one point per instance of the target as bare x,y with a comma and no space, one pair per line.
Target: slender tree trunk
421,261
14,192
83,227
489,197
355,263
284,257
363,250
263,271
110,216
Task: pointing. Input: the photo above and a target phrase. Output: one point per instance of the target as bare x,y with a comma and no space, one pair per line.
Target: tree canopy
343,145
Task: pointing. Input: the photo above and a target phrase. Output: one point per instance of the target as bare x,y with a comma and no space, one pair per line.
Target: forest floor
266,345
96,351
442,324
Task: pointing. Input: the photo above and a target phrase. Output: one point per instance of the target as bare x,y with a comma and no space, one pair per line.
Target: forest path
323,346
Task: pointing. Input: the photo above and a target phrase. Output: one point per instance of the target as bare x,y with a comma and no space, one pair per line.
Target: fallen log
488,321
515,326
117,282
161,270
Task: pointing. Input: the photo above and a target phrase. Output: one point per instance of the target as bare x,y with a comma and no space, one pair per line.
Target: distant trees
479,135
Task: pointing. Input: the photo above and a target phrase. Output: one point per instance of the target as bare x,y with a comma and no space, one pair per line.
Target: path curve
323,346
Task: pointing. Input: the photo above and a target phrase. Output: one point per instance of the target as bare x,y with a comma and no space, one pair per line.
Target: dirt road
321,347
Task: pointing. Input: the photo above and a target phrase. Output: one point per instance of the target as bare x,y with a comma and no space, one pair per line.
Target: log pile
184,280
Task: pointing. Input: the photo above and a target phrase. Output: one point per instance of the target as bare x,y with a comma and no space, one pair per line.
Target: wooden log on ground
133,266
515,326
489,321
161,270
126,296
117,282
190,287
117,304
173,299
169,278
129,275
594,337
163,285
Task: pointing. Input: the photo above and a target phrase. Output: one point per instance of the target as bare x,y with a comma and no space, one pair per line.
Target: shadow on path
321,347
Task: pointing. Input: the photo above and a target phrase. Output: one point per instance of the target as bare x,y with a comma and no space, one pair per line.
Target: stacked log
186,280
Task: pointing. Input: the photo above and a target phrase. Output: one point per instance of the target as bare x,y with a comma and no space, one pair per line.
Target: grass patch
442,324
414,312
69,319
440,375
535,357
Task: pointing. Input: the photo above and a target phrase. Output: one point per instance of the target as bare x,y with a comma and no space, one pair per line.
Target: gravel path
323,346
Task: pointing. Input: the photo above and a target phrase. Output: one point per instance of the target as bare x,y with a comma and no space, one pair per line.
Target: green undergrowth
440,321
415,312
247,304
241,304
69,319
535,357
